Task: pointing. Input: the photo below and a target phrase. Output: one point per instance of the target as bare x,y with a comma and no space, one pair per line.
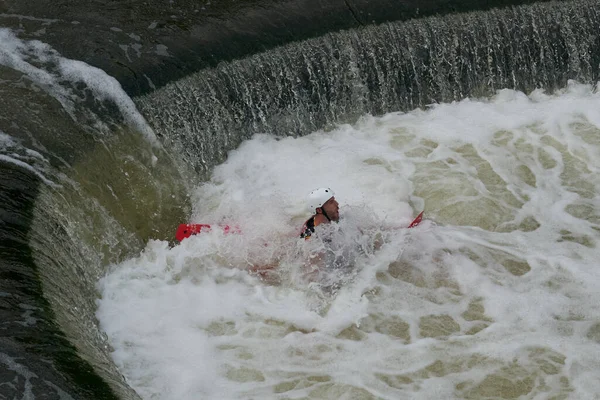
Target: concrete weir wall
148,43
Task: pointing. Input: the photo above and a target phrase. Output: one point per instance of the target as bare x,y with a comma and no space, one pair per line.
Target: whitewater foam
495,296
48,69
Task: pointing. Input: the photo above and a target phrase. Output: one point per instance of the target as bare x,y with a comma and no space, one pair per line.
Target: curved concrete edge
34,353
146,44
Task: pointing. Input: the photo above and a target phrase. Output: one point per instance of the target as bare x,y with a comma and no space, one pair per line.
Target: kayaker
322,204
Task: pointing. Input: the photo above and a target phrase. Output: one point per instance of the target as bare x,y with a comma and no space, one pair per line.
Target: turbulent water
84,183
397,66
495,295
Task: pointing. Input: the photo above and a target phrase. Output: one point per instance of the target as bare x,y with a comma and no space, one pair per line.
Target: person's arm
313,266
266,272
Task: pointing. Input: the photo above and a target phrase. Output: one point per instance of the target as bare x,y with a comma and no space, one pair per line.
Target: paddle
186,230
417,220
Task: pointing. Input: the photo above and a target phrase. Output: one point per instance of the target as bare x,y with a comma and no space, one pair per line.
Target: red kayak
187,230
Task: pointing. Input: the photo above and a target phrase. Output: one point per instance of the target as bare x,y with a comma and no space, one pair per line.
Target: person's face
332,208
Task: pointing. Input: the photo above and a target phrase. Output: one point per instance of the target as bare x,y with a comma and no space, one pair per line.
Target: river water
487,121
494,295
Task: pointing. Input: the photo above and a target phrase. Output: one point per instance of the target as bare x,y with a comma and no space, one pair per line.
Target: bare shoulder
319,219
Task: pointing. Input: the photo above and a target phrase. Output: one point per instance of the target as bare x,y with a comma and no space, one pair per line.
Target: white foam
48,69
46,21
505,283
14,153
13,365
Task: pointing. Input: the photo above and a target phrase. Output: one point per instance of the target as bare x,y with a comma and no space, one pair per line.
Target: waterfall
85,183
395,66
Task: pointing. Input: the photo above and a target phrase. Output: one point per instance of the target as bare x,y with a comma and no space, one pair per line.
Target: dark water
85,184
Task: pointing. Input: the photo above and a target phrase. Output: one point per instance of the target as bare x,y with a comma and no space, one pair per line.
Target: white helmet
317,198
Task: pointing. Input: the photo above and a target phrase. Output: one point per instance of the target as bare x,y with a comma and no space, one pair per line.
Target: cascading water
321,82
494,298
86,176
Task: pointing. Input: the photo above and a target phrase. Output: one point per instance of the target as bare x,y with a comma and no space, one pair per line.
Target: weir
83,187
396,66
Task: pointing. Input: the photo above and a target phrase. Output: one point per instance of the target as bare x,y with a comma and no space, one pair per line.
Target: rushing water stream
489,121
495,296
